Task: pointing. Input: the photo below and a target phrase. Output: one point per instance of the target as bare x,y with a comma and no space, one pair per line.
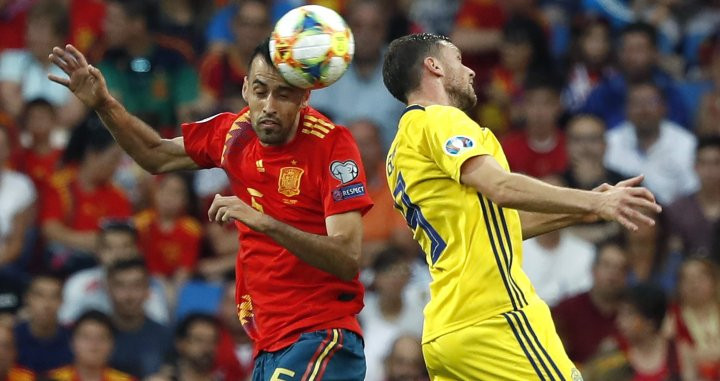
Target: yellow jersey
473,247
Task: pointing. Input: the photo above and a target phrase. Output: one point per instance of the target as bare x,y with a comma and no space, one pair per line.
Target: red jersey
166,251
39,167
19,374
526,159
69,373
317,174
65,200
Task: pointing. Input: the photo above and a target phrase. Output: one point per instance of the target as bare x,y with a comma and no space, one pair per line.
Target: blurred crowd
107,272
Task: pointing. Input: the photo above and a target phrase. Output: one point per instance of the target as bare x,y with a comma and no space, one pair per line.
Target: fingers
645,198
631,182
627,223
63,81
55,57
79,57
220,205
637,216
602,187
97,74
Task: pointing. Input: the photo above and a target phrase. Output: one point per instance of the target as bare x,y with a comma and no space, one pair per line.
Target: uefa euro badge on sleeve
344,172
289,181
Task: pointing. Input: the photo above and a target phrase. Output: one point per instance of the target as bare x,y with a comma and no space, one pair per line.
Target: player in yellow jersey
450,179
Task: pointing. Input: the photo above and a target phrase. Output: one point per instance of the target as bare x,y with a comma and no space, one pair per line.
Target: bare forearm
85,241
331,254
532,195
535,224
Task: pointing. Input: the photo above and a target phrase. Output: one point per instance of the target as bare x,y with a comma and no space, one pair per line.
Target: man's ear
245,89
306,99
434,66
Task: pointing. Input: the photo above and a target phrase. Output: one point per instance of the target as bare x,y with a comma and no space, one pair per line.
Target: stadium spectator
405,361
693,219
589,61
23,72
42,343
538,150
235,349
362,85
391,309
153,80
558,263
637,59
596,308
79,196
382,225
219,265
182,24
17,213
523,50
41,155
11,292
13,18
647,143
93,337
434,16
196,340
708,112
696,320
141,344
8,370
87,289
644,353
222,71
169,236
86,22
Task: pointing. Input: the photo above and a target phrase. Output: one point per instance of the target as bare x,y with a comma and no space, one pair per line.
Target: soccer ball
311,46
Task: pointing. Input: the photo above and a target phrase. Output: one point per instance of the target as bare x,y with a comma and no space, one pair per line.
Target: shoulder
21,374
191,226
144,219
62,374
116,375
313,123
62,178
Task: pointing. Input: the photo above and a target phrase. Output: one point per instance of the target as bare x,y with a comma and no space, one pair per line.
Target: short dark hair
45,276
53,13
97,317
262,50
183,328
543,80
617,240
117,225
643,28
36,103
147,10
127,264
649,301
386,259
402,68
709,141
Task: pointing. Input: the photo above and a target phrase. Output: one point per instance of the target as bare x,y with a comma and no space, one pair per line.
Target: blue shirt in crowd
41,355
141,353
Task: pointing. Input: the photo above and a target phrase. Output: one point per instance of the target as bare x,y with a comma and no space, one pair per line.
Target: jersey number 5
415,219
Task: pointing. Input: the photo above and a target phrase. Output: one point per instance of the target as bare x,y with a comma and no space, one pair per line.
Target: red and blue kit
316,175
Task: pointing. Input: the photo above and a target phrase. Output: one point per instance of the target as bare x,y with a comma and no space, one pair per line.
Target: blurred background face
171,197
707,166
697,285
7,349
251,25
516,55
40,38
393,279
129,289
631,324
586,140
610,271
43,301
369,27
645,108
637,55
459,79
199,347
102,164
92,344
39,122
116,25
116,245
542,109
595,43
367,137
405,362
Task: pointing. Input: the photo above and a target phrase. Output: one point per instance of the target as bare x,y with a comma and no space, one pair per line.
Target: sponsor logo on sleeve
349,191
344,171
457,144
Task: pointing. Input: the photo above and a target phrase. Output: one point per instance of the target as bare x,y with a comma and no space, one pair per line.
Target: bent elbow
350,270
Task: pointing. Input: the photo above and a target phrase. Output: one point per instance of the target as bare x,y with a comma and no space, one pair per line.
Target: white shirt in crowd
19,66
17,193
560,272
87,290
668,165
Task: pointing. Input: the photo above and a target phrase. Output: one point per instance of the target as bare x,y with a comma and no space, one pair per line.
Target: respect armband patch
349,191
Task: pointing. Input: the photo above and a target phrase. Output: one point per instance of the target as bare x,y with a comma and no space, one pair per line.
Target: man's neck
188,373
84,179
89,373
390,305
605,304
43,331
129,323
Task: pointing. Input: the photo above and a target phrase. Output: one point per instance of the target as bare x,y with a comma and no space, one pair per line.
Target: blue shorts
328,355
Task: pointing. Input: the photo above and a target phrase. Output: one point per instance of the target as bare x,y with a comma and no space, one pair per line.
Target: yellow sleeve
452,138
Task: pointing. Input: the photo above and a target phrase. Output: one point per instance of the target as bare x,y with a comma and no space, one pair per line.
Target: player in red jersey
299,194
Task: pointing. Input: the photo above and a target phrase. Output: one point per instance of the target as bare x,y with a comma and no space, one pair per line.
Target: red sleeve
344,185
204,140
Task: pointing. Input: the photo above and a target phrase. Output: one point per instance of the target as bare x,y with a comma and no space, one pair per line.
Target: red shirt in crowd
19,374
222,74
86,23
166,251
39,167
80,209
69,373
524,158
318,174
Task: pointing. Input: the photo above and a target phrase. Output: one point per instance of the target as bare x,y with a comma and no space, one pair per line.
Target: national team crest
289,181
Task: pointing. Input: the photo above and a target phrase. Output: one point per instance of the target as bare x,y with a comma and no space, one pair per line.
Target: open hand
624,201
223,209
84,80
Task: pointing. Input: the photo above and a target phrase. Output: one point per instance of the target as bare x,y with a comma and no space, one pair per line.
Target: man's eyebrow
259,82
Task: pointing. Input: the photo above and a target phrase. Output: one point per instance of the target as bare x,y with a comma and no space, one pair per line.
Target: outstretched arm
521,192
338,253
140,141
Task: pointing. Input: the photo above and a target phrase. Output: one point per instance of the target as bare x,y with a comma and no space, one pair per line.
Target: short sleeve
204,140
452,138
344,185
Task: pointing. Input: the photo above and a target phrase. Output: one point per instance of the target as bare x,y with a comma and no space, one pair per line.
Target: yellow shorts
518,345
